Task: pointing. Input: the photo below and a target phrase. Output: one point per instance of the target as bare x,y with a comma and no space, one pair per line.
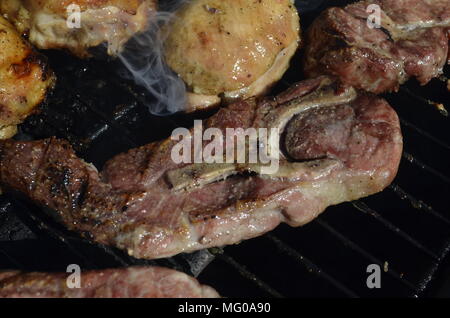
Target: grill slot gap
347,242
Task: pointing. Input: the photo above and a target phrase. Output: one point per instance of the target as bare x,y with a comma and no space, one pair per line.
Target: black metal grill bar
286,82
100,131
56,234
111,122
5,205
174,263
422,132
124,111
309,265
361,206
244,272
436,258
348,242
424,100
12,260
60,237
417,204
425,167
285,248
401,193
110,252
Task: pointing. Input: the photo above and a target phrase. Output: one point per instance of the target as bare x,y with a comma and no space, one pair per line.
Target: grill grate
405,229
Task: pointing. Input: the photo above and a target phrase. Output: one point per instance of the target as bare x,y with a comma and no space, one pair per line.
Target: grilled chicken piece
132,282
338,146
46,22
24,79
412,42
231,49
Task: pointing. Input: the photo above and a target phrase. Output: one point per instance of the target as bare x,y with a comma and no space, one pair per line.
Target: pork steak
336,145
411,41
132,282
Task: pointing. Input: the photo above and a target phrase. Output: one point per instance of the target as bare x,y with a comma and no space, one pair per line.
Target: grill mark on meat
78,200
388,34
33,182
338,43
160,221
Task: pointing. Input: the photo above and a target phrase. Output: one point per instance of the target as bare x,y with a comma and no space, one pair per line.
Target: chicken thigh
228,50
77,25
24,79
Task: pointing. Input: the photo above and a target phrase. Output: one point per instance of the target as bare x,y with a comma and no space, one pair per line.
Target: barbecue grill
405,229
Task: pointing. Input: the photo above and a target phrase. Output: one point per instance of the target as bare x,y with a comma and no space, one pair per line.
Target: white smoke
143,57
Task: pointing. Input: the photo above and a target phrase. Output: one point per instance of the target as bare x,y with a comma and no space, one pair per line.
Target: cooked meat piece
132,282
24,79
412,42
336,146
46,22
235,49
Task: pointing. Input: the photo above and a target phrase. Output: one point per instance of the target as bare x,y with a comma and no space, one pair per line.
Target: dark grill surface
405,229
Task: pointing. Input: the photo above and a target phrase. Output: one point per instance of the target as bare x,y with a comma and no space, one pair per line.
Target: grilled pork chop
231,49
53,24
24,79
132,282
411,42
336,145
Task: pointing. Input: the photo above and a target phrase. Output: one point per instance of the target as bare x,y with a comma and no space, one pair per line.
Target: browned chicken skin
233,48
24,79
111,21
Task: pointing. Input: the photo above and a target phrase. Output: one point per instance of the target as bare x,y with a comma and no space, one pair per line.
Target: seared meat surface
101,21
336,145
133,282
412,41
24,79
234,48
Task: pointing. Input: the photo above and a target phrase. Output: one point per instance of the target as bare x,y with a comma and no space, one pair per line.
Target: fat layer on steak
132,282
336,145
411,41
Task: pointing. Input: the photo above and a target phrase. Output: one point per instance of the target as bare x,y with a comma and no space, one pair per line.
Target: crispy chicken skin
24,79
233,48
110,21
